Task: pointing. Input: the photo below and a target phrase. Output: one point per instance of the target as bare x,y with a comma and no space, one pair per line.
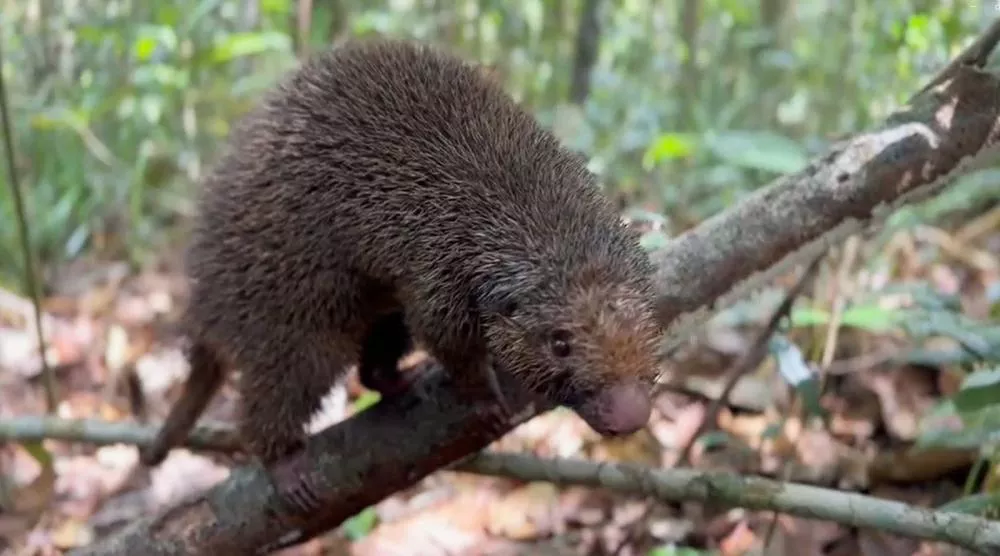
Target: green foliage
111,137
868,316
120,106
360,525
970,419
980,389
976,504
366,400
795,371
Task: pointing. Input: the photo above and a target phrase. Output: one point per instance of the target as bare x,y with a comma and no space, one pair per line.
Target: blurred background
118,108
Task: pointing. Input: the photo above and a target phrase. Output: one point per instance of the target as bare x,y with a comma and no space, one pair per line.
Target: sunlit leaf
668,147
918,32
361,524
275,6
366,400
809,316
871,317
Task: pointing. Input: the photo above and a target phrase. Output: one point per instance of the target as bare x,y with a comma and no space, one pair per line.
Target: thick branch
678,485
397,442
861,181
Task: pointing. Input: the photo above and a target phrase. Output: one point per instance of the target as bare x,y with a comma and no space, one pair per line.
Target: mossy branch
677,485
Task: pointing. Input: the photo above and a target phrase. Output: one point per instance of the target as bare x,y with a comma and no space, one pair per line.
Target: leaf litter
916,321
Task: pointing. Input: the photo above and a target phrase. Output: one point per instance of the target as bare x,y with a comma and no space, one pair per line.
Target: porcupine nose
622,409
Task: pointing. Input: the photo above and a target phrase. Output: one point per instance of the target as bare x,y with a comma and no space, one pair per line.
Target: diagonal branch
394,444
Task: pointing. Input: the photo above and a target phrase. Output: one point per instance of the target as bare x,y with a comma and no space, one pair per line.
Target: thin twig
675,485
303,26
751,359
22,223
851,247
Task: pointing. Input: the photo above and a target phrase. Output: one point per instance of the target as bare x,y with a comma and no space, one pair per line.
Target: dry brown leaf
29,488
854,411
906,465
528,512
639,448
906,395
740,541
877,543
71,534
795,536
452,526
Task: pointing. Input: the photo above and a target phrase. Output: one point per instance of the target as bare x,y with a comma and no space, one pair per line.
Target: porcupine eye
560,343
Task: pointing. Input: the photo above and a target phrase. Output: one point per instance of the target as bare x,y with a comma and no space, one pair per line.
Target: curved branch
397,442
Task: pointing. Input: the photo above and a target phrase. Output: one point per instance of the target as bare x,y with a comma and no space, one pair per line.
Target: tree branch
397,442
855,510
677,485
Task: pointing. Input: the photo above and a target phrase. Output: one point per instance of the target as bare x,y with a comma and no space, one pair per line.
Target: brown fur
388,192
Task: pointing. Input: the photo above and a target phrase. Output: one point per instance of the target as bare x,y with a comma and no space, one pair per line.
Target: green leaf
239,45
144,48
979,390
366,400
653,240
275,7
194,16
793,368
38,452
150,37
759,150
918,32
772,431
945,427
871,317
360,525
668,147
977,504
809,316
714,439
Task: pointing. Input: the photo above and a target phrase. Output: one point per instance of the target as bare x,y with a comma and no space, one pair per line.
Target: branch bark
677,485
394,444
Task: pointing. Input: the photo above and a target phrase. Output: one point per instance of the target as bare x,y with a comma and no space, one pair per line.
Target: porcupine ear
505,290
497,299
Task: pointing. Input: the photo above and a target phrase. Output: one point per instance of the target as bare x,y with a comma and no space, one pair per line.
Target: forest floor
882,382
